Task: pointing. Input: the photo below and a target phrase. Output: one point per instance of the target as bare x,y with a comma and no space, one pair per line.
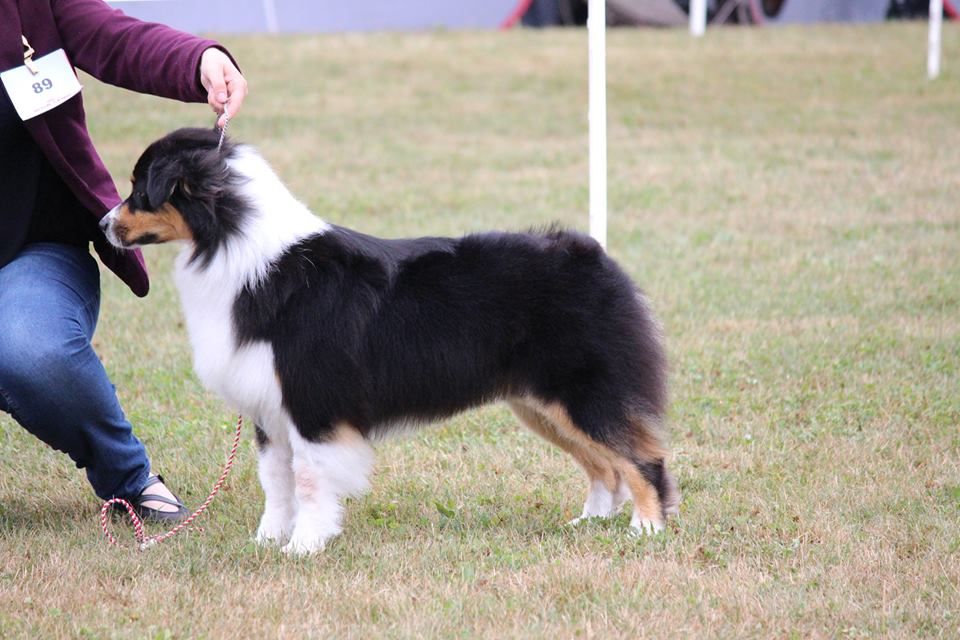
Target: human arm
126,52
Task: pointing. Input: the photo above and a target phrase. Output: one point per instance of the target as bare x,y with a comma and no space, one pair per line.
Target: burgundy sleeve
141,56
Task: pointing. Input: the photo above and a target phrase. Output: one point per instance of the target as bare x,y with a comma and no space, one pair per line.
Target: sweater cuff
203,46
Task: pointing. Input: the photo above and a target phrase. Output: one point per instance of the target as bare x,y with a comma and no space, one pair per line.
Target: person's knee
36,361
18,345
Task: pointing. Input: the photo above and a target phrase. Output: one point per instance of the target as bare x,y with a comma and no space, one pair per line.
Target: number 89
43,85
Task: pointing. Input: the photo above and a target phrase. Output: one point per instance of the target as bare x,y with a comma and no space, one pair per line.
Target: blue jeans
51,381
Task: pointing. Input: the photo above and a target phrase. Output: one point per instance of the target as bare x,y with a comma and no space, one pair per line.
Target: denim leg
51,381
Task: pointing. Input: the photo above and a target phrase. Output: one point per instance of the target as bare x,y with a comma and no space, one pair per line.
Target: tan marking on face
163,225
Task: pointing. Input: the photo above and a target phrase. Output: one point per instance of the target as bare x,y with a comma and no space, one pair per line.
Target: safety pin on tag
28,56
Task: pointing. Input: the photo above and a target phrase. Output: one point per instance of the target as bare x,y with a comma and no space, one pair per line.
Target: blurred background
253,16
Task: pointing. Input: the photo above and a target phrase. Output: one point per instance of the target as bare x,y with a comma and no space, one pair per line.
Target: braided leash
145,542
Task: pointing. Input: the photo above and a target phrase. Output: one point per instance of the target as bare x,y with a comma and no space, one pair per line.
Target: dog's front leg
325,471
275,468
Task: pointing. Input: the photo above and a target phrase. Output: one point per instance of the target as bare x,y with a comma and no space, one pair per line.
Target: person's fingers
217,94
226,87
211,74
236,92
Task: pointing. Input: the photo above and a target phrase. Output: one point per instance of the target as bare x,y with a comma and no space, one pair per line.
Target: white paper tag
33,94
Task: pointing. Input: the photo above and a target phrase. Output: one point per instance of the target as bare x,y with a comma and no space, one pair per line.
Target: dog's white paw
640,526
600,503
273,530
310,537
589,515
303,545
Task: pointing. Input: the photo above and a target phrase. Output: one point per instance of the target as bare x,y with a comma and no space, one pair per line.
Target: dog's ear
195,175
203,176
162,179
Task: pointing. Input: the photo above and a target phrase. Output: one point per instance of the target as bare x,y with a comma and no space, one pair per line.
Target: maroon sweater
114,48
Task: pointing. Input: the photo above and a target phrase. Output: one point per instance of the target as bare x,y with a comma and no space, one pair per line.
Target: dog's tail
647,452
665,483
669,492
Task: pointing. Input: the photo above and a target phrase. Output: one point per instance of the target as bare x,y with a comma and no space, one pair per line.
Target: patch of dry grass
787,198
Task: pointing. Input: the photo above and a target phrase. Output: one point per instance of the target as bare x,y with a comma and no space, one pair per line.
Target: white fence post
270,16
698,17
933,38
597,118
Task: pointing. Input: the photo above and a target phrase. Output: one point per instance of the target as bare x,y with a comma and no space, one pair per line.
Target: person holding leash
54,188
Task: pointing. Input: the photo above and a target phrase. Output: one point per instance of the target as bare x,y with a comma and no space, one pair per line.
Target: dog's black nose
104,223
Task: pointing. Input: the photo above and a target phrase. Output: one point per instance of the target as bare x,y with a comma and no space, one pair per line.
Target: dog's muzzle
106,226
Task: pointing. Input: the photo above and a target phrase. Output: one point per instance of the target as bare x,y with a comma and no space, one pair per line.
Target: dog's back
419,329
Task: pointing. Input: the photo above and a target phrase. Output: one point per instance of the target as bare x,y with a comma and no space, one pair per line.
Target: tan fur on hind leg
647,513
648,448
597,466
612,476
604,497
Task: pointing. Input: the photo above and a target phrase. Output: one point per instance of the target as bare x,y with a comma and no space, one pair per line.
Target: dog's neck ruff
272,220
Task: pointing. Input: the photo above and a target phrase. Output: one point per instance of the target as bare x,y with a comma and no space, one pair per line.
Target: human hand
224,83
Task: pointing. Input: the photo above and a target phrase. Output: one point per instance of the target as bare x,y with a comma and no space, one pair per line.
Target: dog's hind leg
635,460
654,489
648,514
324,473
607,492
275,468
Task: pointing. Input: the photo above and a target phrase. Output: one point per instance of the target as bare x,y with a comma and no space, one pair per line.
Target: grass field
788,198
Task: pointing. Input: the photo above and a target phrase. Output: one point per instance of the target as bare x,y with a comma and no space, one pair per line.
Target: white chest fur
243,376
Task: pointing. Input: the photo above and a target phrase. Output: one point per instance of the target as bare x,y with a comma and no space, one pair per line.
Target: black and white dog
328,338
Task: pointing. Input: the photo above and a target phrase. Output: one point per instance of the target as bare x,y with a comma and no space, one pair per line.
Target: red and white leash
144,541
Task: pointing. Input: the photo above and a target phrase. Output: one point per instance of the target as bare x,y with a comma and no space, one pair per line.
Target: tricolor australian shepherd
328,338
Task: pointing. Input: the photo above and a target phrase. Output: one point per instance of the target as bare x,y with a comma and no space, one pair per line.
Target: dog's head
183,189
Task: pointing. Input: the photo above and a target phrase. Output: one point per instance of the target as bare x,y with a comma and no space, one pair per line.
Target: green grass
789,200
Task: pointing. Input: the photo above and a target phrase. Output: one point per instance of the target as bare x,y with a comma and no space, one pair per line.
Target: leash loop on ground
144,542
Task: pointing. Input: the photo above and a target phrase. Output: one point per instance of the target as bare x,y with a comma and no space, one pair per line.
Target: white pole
270,15
933,38
597,117
698,17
